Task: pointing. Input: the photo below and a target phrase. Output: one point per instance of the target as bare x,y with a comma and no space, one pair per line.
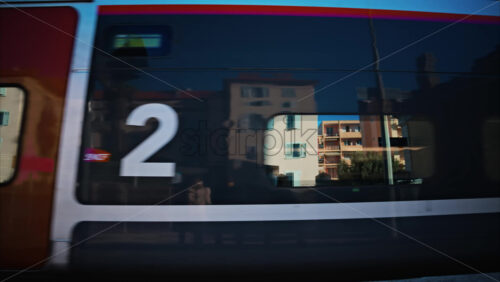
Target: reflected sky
337,117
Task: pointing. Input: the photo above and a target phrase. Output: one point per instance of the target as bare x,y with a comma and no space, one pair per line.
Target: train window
12,101
137,41
340,150
134,41
207,113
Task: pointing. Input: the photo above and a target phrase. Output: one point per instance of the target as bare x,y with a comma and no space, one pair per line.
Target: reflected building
337,140
371,127
371,124
253,103
291,151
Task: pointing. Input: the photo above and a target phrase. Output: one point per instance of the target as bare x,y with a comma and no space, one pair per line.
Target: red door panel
35,53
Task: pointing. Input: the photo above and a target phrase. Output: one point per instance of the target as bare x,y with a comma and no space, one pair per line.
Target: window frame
20,138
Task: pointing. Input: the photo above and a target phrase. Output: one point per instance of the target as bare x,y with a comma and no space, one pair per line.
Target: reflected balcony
332,148
352,148
350,134
332,136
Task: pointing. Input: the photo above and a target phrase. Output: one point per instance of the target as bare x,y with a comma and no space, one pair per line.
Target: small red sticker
96,155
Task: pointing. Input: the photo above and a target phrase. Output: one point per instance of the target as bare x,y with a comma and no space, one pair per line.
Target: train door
35,54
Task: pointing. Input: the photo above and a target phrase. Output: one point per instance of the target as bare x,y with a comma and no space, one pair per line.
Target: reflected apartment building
280,141
338,140
291,149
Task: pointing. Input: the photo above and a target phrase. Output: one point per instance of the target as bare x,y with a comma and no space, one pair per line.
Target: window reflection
350,150
11,112
259,78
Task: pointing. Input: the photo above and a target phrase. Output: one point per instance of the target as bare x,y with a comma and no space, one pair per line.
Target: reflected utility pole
385,125
383,118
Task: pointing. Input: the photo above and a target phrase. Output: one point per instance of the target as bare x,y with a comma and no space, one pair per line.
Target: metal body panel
67,212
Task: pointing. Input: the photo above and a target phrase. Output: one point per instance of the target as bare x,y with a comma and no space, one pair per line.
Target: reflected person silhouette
198,193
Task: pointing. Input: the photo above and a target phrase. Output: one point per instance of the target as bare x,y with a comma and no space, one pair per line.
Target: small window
131,40
251,121
329,131
254,92
288,92
292,122
12,102
295,150
259,103
4,118
270,124
289,104
136,41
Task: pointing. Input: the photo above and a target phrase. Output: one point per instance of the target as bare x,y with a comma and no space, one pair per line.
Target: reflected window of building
254,92
270,124
289,104
259,103
290,122
4,118
288,92
295,150
293,122
329,131
251,121
12,101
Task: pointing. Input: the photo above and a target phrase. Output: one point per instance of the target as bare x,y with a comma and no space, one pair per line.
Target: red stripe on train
290,11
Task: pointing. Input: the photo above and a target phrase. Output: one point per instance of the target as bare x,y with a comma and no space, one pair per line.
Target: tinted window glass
12,101
199,116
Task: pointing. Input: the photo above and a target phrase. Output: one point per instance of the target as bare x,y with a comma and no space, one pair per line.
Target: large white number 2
133,164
